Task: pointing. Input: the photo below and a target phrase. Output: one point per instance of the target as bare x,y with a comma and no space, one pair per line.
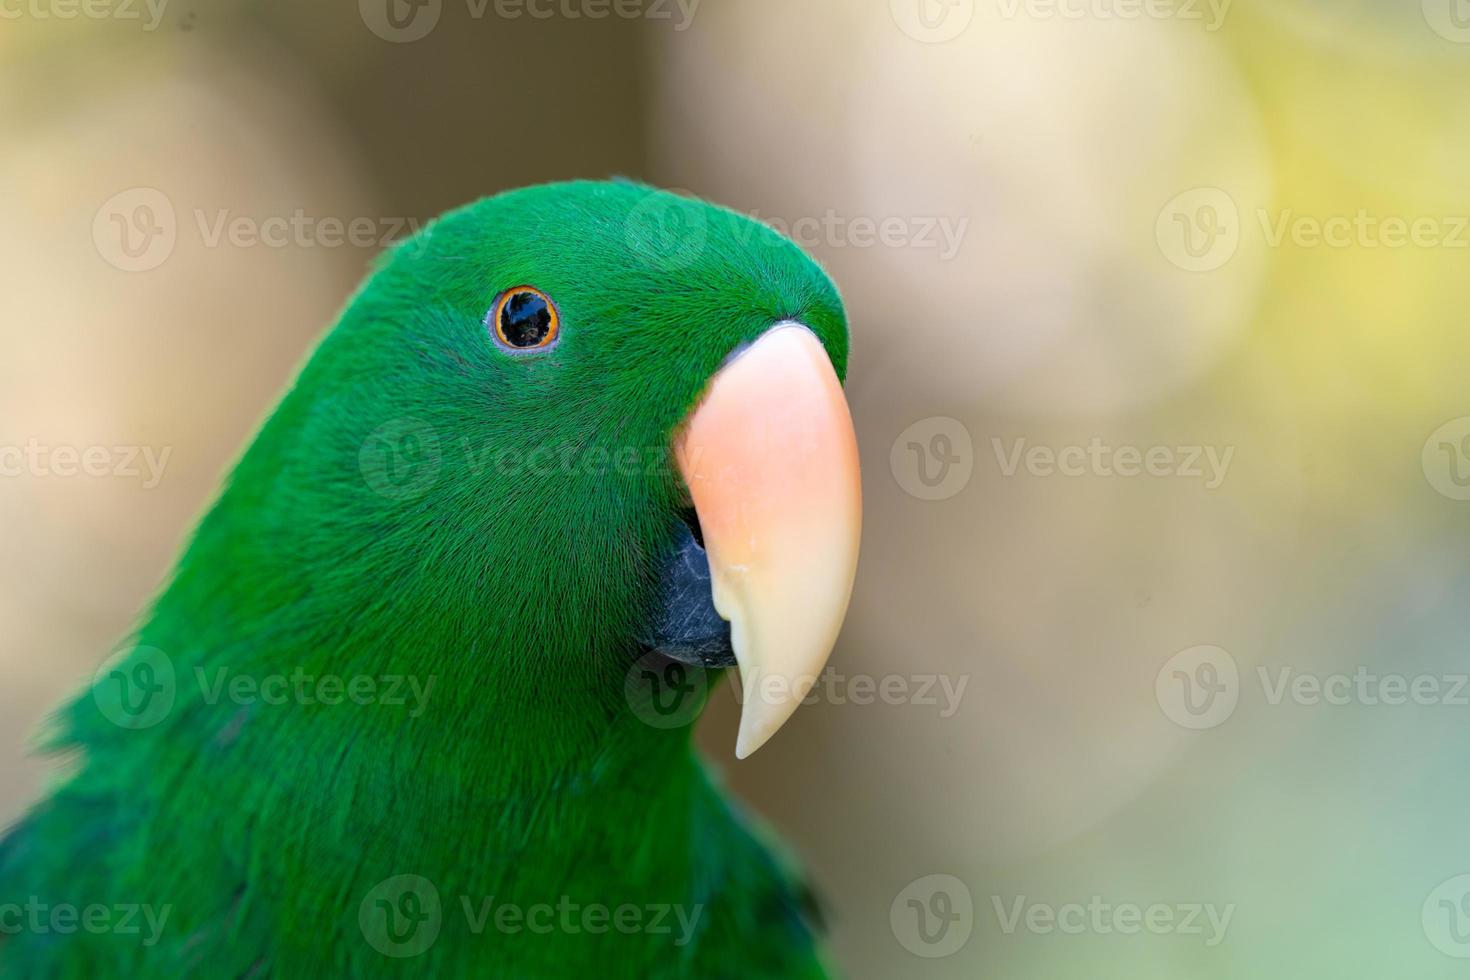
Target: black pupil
525,320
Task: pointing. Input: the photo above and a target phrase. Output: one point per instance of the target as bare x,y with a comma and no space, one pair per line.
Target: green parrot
417,698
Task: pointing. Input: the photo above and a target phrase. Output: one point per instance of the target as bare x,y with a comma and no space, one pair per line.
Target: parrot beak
771,462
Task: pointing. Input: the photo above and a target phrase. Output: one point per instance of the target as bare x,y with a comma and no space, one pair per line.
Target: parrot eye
524,318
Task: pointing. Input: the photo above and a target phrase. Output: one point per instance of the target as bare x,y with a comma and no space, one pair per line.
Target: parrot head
559,432
570,424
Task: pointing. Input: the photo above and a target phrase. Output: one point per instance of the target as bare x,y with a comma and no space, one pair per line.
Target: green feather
424,504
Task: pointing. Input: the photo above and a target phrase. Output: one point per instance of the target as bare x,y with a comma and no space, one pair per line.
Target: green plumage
425,505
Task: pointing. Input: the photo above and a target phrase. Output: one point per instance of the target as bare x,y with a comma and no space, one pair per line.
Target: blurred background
1158,309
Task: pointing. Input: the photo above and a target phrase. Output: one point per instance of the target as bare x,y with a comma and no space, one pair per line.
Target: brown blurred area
1052,149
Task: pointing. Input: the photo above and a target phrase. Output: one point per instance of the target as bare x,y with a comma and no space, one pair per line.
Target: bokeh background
1142,229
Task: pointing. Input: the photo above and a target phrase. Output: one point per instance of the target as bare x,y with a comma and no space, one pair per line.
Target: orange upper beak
771,461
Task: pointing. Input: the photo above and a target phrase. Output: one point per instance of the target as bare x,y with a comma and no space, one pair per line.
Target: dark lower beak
684,625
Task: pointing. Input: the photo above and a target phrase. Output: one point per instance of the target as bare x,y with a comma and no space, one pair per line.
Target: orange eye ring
523,318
